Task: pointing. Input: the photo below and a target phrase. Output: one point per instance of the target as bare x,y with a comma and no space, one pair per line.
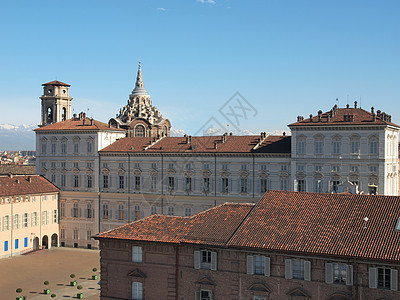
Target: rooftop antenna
337,101
365,222
360,101
347,99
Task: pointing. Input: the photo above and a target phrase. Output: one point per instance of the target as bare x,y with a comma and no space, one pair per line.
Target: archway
36,243
54,240
139,131
45,242
64,114
49,117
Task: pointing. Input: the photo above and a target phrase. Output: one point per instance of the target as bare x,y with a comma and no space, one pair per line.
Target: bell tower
56,102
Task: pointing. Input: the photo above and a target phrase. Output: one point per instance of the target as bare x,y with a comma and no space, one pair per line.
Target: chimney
347,106
10,175
17,181
372,110
373,117
230,133
189,139
29,179
74,115
91,122
319,115
284,133
311,118
215,145
328,118
355,104
83,122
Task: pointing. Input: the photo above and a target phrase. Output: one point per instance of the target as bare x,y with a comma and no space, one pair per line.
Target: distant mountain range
17,137
22,137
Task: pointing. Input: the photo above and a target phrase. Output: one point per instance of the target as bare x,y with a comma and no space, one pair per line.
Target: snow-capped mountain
17,137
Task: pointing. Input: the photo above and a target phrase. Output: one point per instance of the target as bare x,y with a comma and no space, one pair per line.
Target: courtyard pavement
54,265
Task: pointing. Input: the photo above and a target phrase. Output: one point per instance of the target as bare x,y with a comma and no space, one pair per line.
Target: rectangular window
16,244
105,211
171,183
339,273
205,295
318,147
62,233
188,184
76,234
89,165
44,147
205,259
137,293
354,169
26,220
259,264
55,217
25,242
355,147
137,166
122,182
244,167
88,235
89,211
373,169
170,166
104,165
75,210
336,147
284,184
89,147
336,168
206,166
53,164
43,164
62,180
225,185
63,148
373,147
318,186
243,185
170,210
318,168
335,186
384,278
121,212
35,220
76,180
300,168
206,184
121,165
154,166
153,182
6,223
137,183
301,185
153,209
224,167
263,185
298,269
188,166
284,168
53,148
136,254
17,221
89,181
76,147
5,245
301,147
188,211
105,181
137,212
263,167
62,209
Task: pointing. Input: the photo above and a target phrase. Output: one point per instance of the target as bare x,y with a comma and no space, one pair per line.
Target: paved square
54,265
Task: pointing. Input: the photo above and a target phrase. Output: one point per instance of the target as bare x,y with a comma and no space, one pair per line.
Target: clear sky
287,58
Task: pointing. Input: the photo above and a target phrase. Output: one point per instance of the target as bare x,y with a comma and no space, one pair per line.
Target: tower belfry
56,102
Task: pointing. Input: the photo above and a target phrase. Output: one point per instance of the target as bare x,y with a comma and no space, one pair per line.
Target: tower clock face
49,91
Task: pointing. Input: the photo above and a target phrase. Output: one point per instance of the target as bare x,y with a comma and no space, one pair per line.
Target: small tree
73,282
46,290
94,276
79,295
19,291
53,295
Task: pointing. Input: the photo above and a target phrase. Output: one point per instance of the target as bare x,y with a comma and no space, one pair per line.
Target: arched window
64,114
49,118
139,131
165,131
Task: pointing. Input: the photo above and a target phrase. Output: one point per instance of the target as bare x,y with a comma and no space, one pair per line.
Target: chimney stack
355,104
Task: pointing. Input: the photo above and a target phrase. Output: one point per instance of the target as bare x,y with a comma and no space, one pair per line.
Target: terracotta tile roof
78,124
17,169
56,82
208,227
329,224
342,116
317,224
25,185
198,144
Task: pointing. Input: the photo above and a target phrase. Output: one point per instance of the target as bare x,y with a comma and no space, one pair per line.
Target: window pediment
298,292
259,287
206,281
137,273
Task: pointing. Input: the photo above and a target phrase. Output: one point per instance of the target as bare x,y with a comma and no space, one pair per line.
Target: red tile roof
340,116
232,144
25,185
78,124
56,82
311,223
205,227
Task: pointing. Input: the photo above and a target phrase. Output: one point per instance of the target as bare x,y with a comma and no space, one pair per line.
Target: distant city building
28,214
131,168
17,169
287,246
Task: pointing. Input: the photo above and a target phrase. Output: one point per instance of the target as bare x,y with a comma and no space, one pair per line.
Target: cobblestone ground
54,265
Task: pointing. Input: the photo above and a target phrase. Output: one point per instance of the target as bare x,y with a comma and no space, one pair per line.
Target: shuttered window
298,269
383,278
205,259
258,265
339,273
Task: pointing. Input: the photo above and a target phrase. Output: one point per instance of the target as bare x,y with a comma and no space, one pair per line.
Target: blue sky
287,58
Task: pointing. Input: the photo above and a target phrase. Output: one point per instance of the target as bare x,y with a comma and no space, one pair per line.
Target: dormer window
397,228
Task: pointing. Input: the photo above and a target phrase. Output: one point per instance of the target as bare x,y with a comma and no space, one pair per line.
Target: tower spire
139,78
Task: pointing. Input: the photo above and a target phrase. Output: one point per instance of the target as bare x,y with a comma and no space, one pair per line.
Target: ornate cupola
56,102
139,116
